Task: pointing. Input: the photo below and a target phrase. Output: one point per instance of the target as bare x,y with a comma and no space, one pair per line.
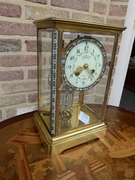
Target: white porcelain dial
84,63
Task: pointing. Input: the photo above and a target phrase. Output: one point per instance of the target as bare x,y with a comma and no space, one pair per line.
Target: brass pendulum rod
81,97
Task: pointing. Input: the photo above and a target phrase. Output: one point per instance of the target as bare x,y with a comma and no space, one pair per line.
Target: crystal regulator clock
75,64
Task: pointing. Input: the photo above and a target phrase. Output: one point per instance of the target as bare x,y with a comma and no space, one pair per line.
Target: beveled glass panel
44,73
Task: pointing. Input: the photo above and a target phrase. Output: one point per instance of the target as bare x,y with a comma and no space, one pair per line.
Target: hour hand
78,70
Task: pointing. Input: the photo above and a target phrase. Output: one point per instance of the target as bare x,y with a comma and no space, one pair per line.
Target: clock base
58,143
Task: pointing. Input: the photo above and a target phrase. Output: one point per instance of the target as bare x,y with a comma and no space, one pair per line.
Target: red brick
7,45
14,28
100,89
108,48
11,112
38,1
100,8
10,10
89,18
72,4
31,46
19,110
32,74
89,92
46,85
46,46
116,22
103,80
32,98
107,69
34,12
11,75
109,39
99,99
18,60
12,100
19,87
118,10
46,73
87,99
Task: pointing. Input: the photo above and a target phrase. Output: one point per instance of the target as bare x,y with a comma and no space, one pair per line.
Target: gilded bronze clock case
53,36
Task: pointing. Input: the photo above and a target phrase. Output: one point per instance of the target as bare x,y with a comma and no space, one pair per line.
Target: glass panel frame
94,108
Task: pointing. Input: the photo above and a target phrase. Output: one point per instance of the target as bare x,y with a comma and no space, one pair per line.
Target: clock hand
86,66
78,70
91,72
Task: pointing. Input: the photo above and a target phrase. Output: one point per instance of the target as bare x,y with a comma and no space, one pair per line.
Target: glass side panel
44,73
82,67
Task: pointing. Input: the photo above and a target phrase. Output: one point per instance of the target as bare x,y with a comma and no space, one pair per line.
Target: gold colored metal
81,97
79,26
74,122
72,131
68,139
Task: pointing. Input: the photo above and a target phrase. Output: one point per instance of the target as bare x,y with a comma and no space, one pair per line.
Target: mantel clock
75,63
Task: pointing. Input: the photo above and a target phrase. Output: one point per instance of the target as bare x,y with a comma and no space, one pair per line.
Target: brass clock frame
55,141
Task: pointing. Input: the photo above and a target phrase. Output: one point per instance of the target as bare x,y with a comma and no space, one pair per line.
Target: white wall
124,55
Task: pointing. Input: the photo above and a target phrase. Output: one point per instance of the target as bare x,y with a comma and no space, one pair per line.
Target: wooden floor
22,156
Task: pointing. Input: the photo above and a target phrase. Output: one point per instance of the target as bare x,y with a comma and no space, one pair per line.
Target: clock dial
84,63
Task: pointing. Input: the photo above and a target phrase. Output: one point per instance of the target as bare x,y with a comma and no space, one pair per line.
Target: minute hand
90,71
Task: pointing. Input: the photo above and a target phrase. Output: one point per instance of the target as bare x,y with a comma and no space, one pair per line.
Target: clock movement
75,64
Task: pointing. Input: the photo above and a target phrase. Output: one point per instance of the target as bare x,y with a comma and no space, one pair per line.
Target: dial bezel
68,49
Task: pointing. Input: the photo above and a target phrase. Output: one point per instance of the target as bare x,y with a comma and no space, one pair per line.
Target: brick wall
18,83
